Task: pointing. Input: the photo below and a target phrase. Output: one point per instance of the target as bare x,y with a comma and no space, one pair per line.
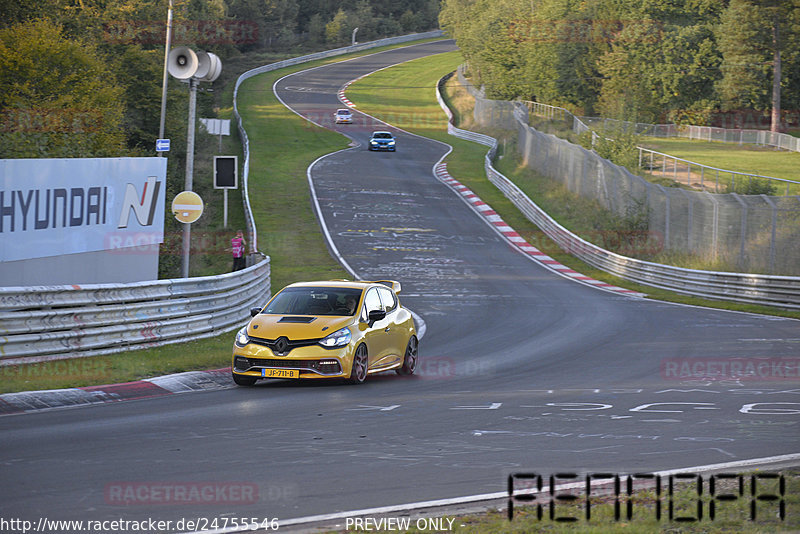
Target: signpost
162,145
226,177
187,207
217,127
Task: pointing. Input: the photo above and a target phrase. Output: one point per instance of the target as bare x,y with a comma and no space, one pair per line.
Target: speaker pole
189,172
166,77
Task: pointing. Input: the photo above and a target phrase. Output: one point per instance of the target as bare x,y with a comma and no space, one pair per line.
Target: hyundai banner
52,207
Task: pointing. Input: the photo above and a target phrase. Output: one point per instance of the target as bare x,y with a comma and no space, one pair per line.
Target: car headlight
242,338
340,338
391,142
373,142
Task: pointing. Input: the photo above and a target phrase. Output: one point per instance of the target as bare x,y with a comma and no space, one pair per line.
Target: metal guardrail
782,291
52,323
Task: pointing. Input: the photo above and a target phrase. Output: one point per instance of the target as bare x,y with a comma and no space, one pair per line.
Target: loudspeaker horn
203,64
214,68
182,63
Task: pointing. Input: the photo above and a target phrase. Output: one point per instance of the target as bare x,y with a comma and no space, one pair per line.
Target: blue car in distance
382,141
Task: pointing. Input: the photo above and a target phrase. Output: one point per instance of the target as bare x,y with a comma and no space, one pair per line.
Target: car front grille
283,346
330,367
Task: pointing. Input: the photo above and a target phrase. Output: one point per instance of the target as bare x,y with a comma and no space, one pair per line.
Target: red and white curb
491,216
346,101
34,401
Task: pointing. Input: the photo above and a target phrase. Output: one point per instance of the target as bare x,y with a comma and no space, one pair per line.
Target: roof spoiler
395,285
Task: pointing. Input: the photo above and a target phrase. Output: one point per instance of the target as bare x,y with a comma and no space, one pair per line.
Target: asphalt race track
521,370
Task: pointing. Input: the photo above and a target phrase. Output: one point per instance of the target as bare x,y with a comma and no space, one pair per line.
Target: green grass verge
283,145
210,353
404,96
765,161
729,516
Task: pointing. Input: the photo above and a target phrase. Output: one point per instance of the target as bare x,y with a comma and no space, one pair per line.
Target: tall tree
336,30
754,38
58,98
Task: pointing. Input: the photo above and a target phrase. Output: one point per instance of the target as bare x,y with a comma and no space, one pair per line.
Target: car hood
269,326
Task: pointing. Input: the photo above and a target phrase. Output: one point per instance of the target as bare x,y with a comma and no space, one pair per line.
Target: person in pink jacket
237,249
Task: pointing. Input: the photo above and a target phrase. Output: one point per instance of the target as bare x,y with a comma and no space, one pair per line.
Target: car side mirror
376,315
254,311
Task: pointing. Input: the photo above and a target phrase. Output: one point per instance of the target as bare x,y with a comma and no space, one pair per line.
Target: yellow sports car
334,329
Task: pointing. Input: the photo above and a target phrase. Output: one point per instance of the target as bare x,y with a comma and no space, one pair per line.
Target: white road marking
363,407
492,406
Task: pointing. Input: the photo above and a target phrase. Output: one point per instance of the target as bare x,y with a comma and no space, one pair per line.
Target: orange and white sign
187,206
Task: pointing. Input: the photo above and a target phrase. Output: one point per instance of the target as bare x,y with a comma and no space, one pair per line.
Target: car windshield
315,301
343,112
382,135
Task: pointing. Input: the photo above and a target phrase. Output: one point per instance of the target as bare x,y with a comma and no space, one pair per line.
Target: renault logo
281,344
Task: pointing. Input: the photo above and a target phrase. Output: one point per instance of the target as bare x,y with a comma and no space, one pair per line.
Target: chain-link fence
689,172
708,178
638,128
703,133
750,233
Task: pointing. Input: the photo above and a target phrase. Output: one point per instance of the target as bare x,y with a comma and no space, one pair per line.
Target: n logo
144,208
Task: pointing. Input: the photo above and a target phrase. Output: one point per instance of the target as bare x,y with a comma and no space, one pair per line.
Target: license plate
280,373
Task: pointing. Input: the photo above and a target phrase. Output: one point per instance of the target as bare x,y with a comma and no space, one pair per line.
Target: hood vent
292,319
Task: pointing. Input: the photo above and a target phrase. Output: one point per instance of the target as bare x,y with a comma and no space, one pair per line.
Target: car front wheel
410,358
358,372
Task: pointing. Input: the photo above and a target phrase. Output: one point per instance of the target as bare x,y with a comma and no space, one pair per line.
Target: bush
751,186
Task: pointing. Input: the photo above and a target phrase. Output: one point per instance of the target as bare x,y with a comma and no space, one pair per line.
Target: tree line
82,78
731,63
